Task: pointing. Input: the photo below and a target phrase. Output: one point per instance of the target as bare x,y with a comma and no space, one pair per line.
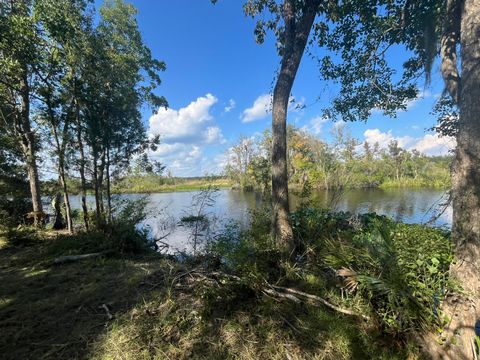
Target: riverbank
150,306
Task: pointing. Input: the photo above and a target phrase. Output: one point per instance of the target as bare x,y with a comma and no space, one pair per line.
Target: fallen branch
71,258
317,299
274,293
109,315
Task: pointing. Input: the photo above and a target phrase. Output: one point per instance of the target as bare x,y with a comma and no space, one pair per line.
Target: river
166,209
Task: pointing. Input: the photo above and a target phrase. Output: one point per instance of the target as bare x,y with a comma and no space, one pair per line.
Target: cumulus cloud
383,138
262,106
315,125
185,134
433,144
231,105
188,124
429,144
259,110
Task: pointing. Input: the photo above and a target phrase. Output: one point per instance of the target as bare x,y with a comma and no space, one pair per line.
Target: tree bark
466,181
61,148
296,36
464,309
29,151
82,165
109,195
98,211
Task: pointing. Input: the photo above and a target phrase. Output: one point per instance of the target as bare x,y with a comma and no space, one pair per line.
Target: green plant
399,270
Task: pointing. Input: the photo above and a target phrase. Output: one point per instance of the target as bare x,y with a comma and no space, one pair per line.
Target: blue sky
218,80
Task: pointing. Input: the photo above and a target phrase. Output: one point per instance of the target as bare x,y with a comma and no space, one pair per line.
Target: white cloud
231,105
429,144
315,125
185,134
262,106
186,125
260,109
383,138
433,144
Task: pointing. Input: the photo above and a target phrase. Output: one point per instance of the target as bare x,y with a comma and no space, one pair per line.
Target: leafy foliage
400,270
342,163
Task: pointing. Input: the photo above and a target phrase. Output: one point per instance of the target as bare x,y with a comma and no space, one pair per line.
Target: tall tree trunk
296,36
98,210
109,197
464,309
100,177
82,165
61,148
466,180
29,151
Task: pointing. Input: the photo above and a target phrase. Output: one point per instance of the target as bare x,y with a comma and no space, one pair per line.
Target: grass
160,311
151,184
434,183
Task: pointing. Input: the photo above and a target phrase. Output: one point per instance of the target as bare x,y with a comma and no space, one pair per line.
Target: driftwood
71,258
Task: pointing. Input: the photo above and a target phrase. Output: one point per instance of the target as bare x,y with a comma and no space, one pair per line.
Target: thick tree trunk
464,309
29,151
466,182
296,36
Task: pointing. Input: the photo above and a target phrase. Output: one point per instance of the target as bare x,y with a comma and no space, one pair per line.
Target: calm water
167,209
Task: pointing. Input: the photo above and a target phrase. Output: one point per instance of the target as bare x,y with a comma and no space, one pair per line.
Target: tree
292,22
427,29
356,37
20,57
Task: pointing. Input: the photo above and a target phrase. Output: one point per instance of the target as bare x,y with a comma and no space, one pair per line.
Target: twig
274,293
318,299
109,315
71,258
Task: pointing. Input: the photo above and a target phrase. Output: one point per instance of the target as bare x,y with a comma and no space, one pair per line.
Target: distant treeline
344,163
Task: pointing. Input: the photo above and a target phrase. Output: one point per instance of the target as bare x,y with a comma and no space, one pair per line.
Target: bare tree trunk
100,177
464,309
296,36
109,197
29,151
61,148
82,166
98,210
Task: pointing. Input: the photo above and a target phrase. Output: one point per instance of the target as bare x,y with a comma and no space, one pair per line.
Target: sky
218,83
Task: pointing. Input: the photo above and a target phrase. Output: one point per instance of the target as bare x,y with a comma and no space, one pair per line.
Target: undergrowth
213,306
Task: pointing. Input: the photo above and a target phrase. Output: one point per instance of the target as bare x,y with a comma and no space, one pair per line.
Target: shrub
400,270
13,212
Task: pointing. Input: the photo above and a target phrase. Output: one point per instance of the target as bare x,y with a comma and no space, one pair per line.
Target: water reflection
167,209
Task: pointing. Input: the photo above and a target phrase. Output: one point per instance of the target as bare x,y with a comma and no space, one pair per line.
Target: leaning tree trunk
463,309
296,36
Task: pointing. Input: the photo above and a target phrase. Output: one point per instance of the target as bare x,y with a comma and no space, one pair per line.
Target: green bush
13,212
250,253
399,270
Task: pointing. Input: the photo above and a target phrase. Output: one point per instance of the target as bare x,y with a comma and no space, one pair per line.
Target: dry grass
160,311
